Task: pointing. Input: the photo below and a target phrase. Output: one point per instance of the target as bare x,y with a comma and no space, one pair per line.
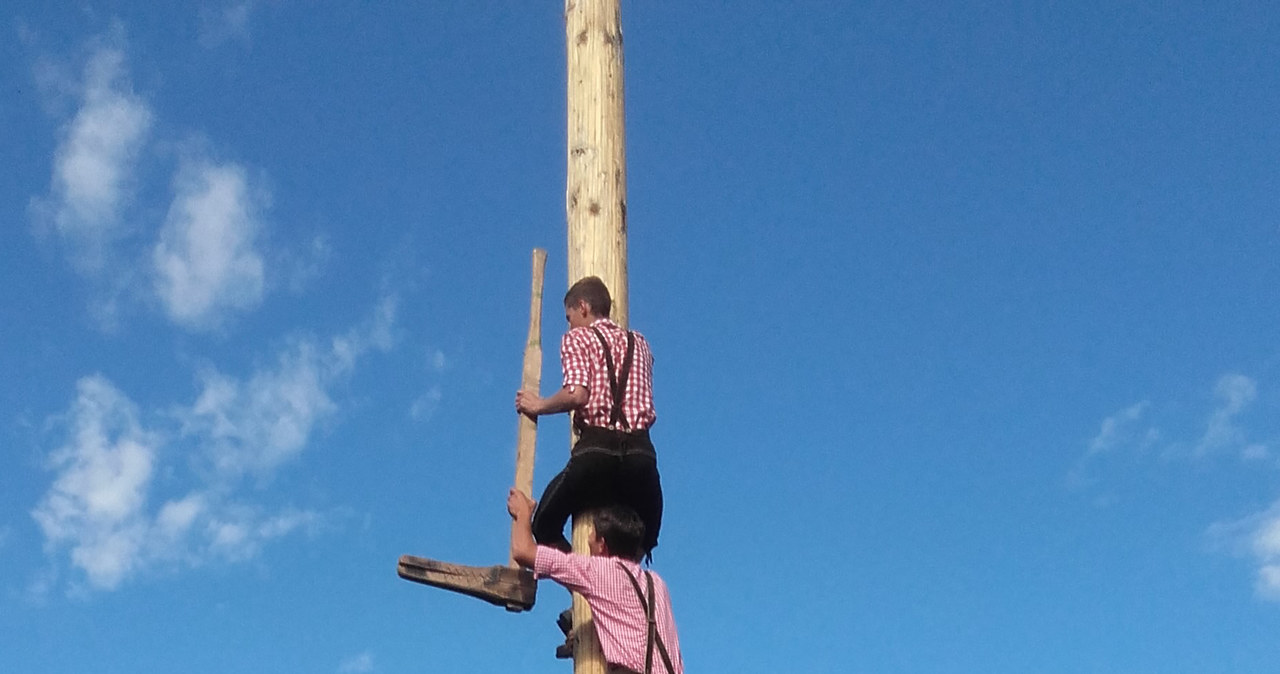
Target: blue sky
963,317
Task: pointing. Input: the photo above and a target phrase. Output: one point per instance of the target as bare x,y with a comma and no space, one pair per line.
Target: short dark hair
592,291
621,529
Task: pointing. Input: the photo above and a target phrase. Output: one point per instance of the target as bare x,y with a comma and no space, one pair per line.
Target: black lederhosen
605,467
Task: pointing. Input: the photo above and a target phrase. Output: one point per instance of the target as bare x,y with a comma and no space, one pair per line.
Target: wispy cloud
424,406
438,360
206,263
1137,428
1234,394
1258,537
378,333
206,260
300,268
1129,430
111,514
357,664
224,22
1220,432
95,162
96,504
1124,429
256,425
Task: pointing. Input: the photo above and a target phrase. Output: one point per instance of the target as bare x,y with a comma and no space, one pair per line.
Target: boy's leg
550,515
574,489
639,486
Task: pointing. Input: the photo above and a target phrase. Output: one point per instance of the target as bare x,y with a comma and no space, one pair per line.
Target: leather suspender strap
654,638
617,384
622,379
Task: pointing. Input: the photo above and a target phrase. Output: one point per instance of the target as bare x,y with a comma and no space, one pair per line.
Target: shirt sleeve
570,570
575,360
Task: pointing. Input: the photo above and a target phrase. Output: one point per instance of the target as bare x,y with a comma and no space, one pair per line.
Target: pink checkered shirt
582,358
619,616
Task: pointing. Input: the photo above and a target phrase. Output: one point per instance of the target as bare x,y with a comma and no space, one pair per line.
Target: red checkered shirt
619,616
582,359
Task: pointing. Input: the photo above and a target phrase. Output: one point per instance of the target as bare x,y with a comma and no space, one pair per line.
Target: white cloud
176,518
1123,428
1235,393
1255,452
105,509
1127,429
357,664
424,407
95,505
377,333
97,508
1258,537
254,426
299,269
1133,429
219,24
239,533
206,263
95,162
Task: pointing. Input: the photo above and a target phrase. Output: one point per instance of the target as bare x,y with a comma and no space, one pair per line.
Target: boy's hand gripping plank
508,586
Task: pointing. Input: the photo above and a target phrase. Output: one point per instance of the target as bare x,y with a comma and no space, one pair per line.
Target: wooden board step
515,589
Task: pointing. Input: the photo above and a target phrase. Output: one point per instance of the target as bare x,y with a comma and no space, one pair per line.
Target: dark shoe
565,650
565,621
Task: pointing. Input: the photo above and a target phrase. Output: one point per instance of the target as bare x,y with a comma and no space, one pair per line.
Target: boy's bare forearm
524,550
567,399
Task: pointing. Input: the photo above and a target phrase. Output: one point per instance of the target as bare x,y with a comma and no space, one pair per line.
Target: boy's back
619,591
620,617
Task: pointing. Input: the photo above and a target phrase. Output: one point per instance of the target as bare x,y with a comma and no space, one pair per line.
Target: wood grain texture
530,380
515,589
595,203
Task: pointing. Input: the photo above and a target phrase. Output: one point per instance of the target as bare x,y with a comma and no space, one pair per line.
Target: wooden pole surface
595,204
530,380
596,189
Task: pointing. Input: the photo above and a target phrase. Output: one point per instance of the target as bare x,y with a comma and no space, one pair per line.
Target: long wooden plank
515,589
530,380
508,586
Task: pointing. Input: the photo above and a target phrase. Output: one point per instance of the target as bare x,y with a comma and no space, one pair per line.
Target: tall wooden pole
595,202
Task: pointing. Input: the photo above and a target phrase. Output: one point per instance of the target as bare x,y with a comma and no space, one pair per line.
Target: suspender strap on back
654,639
617,381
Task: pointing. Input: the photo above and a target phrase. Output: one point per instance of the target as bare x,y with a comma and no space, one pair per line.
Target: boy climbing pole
608,386
631,605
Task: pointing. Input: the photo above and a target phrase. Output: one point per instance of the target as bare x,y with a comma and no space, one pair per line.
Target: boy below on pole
630,605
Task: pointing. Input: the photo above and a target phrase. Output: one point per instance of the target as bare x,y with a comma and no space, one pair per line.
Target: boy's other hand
528,403
519,506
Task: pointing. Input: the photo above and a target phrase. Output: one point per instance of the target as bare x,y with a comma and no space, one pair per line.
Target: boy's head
619,532
592,293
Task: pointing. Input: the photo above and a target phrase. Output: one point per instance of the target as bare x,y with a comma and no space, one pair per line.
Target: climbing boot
565,650
565,621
